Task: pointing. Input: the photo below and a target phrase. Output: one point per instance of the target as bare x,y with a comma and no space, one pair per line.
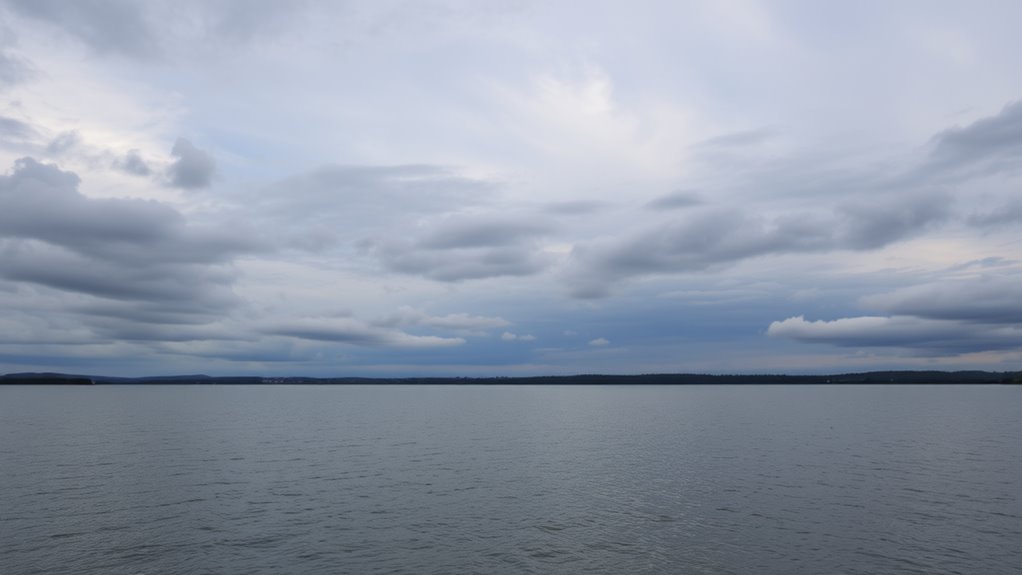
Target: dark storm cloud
468,248
193,168
132,254
107,26
994,142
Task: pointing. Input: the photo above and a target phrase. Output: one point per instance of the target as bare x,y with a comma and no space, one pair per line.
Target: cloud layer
498,188
127,269
192,168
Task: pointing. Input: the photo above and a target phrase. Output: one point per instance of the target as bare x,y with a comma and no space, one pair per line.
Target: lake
511,479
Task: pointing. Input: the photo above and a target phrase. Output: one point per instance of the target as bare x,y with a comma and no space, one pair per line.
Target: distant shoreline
864,378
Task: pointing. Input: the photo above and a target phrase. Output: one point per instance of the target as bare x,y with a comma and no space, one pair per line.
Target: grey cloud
739,139
710,238
64,270
924,336
874,225
578,207
341,205
970,161
461,264
353,332
13,70
714,238
133,163
940,318
408,316
373,191
988,300
992,262
178,311
25,328
680,199
995,140
694,244
480,232
163,30
42,202
63,142
194,168
117,301
140,331
248,20
1008,213
260,351
107,26
468,248
508,336
139,257
889,204
12,128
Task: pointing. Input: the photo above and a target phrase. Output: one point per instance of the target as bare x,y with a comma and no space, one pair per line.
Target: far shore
865,378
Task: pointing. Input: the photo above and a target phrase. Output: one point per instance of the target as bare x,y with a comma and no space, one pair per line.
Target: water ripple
497,480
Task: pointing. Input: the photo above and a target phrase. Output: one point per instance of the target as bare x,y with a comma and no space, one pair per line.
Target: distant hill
44,379
871,377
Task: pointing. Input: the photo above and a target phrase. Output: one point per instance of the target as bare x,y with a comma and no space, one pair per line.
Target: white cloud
508,336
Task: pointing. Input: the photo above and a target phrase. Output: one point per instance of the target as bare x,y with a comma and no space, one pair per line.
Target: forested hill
872,377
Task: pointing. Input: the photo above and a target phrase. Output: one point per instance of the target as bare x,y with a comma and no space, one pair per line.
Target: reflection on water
405,479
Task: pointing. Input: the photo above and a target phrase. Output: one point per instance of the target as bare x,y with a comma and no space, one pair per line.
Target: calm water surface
403,479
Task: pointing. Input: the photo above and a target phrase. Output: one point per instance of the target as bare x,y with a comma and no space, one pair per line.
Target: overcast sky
509,187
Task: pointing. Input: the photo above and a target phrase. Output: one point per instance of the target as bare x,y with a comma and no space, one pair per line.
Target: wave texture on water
404,479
